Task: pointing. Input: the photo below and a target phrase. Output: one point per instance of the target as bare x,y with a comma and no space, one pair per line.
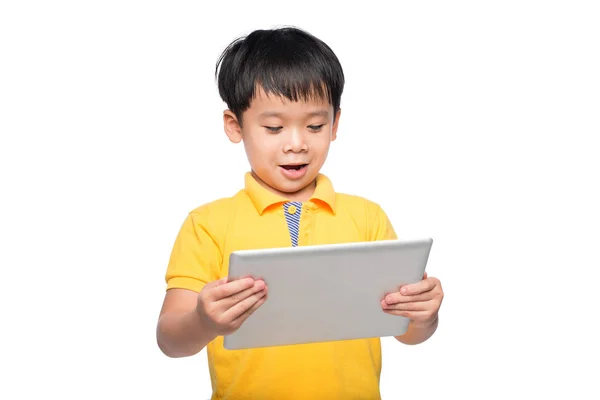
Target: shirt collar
263,198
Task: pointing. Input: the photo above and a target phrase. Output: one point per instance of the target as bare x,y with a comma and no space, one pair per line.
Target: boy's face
286,142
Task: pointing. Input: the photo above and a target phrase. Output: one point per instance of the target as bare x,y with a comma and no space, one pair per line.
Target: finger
424,275
416,306
239,320
412,315
241,307
213,284
395,298
235,298
228,289
417,288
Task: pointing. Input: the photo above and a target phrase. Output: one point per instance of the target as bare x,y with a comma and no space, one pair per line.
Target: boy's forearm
418,334
182,334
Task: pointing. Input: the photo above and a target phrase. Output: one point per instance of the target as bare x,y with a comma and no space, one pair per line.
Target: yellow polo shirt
256,218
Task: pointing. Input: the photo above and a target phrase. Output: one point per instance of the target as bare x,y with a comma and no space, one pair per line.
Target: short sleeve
381,227
196,258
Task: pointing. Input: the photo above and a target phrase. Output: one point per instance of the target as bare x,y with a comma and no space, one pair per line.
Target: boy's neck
302,195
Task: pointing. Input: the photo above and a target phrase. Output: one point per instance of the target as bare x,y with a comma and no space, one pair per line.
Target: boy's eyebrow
319,113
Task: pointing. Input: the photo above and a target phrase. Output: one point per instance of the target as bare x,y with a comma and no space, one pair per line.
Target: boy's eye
315,127
274,128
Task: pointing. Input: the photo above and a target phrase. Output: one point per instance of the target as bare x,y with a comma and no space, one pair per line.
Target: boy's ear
232,127
335,125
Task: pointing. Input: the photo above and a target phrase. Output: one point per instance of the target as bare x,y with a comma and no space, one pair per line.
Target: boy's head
283,89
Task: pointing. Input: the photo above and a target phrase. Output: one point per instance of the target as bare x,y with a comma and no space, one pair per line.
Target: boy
283,89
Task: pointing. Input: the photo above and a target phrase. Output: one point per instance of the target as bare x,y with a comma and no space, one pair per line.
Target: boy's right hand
223,306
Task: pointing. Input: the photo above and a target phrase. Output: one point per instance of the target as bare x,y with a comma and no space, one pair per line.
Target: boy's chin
293,187
282,184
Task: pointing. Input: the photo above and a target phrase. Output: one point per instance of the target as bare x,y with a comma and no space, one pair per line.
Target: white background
474,123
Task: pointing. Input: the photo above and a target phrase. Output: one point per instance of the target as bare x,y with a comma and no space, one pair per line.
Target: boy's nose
295,142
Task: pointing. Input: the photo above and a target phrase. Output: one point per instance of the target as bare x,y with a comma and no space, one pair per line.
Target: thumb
216,283
425,275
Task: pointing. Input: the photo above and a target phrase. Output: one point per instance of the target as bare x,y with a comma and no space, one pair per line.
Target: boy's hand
419,301
223,306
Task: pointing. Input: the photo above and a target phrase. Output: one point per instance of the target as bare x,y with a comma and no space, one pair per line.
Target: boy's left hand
420,302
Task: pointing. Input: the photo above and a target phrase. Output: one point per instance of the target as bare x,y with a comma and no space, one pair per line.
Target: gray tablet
326,292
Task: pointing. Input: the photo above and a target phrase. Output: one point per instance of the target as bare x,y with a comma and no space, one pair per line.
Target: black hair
286,61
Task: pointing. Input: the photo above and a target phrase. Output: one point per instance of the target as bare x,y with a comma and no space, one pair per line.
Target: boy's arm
418,334
194,262
180,331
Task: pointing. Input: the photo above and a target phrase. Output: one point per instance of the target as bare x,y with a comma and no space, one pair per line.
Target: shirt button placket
308,223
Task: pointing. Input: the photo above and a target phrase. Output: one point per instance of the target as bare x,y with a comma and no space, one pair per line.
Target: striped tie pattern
293,220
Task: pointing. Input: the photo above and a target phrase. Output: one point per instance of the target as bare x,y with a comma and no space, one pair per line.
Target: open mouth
294,167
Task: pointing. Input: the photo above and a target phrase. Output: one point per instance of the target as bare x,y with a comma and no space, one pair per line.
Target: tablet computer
326,292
